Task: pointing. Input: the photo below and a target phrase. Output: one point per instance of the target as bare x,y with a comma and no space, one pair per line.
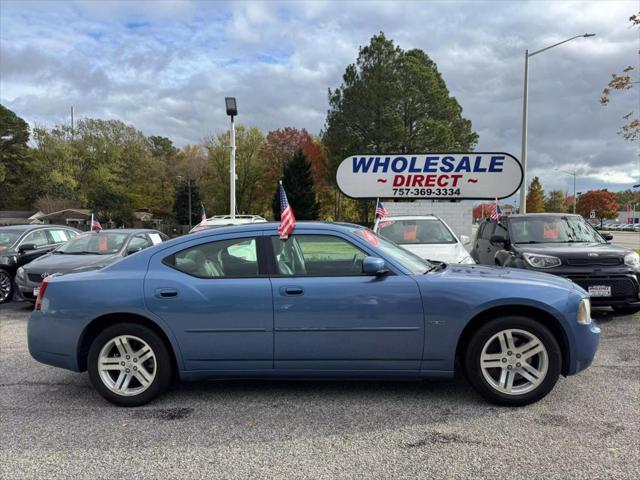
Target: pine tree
535,196
298,184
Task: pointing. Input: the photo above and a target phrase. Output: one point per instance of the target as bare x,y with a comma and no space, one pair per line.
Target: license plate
36,291
600,290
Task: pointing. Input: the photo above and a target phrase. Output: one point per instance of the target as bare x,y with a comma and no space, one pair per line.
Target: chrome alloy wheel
5,286
514,361
127,365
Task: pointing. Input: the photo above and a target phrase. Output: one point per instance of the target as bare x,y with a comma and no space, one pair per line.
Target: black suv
20,244
564,245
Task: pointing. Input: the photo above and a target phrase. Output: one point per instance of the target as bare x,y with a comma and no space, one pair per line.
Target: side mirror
374,266
607,236
27,246
499,239
465,239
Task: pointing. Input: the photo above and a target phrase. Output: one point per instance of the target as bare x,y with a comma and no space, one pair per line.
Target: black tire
484,333
6,286
163,364
625,309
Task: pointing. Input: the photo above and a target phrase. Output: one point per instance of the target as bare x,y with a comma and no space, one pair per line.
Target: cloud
166,66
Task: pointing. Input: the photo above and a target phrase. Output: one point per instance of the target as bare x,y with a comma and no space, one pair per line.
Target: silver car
87,251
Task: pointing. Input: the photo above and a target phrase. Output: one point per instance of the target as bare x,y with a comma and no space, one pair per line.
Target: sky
166,66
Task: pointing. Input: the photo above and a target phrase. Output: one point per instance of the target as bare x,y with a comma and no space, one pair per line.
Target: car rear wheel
6,286
513,361
129,364
625,309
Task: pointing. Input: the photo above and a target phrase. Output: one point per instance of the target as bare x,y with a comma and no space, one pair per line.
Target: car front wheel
129,364
513,361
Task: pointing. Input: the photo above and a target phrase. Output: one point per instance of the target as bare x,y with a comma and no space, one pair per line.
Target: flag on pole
287,219
95,224
496,212
203,215
381,213
380,210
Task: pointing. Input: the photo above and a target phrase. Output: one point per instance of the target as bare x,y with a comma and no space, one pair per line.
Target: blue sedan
331,301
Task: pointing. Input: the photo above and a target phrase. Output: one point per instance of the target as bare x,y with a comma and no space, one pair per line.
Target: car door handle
166,292
291,291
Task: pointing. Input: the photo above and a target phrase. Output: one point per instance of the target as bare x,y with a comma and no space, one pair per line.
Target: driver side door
330,317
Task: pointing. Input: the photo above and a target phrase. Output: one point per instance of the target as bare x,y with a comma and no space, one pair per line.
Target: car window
38,238
8,238
553,229
317,255
139,242
225,258
61,235
419,231
487,230
94,243
501,231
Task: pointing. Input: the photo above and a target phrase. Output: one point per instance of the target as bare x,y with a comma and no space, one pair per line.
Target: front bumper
586,340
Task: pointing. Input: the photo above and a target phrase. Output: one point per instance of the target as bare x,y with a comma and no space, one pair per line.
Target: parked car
427,236
218,221
568,246
331,301
21,244
87,251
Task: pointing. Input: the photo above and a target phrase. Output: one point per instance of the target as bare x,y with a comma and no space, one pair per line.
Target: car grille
34,277
620,286
585,262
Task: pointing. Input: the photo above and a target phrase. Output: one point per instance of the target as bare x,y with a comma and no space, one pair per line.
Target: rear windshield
8,238
408,232
103,243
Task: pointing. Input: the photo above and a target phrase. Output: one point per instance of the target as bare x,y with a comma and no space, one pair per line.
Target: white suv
427,236
225,220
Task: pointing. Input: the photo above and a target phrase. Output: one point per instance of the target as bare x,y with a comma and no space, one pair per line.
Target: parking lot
54,425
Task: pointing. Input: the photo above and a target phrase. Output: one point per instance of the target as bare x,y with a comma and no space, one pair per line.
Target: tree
49,203
298,184
392,101
622,82
554,202
535,196
603,202
14,156
111,203
626,197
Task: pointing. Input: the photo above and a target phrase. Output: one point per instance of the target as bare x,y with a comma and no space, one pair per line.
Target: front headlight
584,312
632,259
20,274
541,261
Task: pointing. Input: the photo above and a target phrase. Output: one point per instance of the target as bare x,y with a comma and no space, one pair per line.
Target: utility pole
72,127
232,111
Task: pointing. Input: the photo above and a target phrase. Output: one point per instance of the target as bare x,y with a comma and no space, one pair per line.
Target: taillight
43,288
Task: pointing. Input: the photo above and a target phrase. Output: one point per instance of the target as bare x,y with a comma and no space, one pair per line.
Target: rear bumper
50,345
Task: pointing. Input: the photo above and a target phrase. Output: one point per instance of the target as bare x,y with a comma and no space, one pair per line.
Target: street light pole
573,174
525,119
190,212
232,111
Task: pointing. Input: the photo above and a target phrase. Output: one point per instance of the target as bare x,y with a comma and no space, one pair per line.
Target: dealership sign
432,175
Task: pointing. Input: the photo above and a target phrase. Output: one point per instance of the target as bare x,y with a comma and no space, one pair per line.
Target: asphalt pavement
626,239
54,425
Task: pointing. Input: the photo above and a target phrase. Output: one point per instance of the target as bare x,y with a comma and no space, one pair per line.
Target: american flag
496,212
287,219
95,224
203,216
380,210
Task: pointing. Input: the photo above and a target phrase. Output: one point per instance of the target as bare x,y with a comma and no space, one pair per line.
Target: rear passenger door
215,296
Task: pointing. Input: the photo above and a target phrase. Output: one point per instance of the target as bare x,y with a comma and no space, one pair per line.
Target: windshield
103,243
408,260
552,230
409,232
8,238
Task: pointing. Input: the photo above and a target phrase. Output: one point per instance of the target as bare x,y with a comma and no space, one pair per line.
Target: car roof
543,214
428,216
27,228
124,230
273,226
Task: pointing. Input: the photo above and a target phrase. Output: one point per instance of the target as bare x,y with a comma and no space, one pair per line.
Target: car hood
507,274
60,263
573,249
442,252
